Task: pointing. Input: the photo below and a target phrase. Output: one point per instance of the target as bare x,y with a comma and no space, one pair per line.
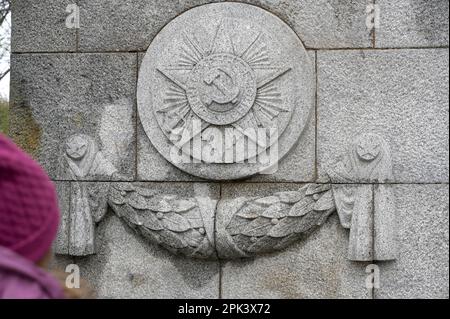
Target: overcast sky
4,64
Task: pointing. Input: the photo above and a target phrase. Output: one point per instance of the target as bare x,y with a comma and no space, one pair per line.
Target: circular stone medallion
221,70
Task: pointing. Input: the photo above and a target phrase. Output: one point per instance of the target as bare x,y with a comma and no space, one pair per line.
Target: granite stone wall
391,80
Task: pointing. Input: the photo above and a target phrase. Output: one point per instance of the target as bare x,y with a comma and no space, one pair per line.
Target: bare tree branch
5,9
2,75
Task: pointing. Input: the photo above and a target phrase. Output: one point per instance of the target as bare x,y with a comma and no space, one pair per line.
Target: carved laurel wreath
236,228
203,227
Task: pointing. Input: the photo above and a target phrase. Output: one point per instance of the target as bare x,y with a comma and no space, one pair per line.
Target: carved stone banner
225,66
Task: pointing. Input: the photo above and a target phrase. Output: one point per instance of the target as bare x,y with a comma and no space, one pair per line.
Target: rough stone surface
61,244
399,94
320,24
40,26
127,266
314,268
151,165
246,71
412,23
56,96
60,262
77,114
83,206
421,270
183,223
297,166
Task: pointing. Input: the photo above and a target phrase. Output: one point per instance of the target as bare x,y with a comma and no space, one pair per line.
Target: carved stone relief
83,160
364,203
236,66
201,227
181,225
251,226
225,66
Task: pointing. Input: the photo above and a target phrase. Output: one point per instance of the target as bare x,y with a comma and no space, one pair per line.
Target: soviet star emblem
224,67
220,84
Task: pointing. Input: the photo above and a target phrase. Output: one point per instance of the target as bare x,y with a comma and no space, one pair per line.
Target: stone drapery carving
365,204
202,227
83,161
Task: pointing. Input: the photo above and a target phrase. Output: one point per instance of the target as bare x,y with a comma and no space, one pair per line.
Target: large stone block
58,96
128,266
152,166
412,23
316,267
131,25
421,270
299,165
40,26
399,94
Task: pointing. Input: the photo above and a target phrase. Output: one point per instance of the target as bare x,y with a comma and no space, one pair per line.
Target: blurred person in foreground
29,219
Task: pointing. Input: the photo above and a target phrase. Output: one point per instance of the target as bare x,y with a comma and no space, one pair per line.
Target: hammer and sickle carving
226,92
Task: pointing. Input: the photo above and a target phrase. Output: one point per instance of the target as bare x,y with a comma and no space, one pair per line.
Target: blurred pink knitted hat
29,213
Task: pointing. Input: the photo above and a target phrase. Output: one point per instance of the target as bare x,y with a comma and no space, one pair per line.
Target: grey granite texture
316,267
151,165
421,270
181,219
320,24
60,262
127,266
82,206
396,86
269,84
61,243
40,26
399,94
56,96
297,166
412,23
